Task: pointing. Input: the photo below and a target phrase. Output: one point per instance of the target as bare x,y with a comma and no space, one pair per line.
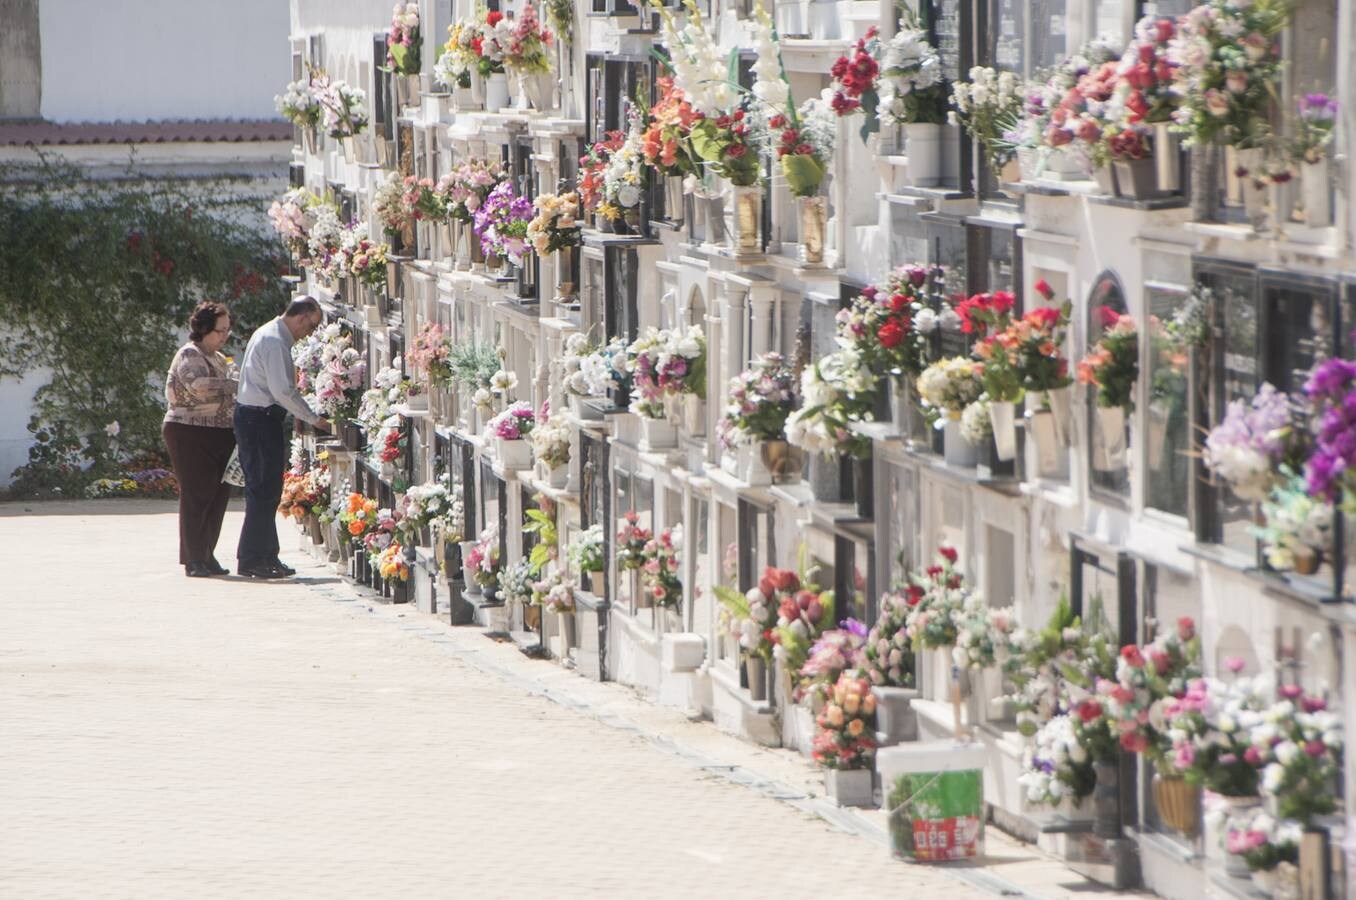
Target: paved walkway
171,737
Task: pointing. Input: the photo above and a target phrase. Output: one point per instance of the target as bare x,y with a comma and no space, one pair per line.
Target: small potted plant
913,96
509,431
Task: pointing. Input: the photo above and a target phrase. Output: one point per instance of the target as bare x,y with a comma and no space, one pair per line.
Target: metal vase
673,198
748,220
1137,178
1167,158
1106,800
755,669
814,217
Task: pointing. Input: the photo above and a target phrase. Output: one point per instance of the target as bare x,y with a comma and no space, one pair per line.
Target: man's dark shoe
261,570
286,570
197,570
215,567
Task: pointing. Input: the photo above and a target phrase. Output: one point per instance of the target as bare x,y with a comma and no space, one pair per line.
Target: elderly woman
199,434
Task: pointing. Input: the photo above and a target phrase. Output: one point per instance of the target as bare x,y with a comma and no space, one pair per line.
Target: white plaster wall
16,398
159,59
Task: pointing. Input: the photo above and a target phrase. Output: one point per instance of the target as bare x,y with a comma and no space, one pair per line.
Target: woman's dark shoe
215,567
285,569
197,570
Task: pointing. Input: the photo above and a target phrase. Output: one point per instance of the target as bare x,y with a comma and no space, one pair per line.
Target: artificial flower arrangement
988,106
845,735
1147,679
750,617
804,612
1329,471
834,652
1315,127
1299,527
1209,741
1148,74
517,583
989,317
976,421
1248,447
854,80
555,226
760,399
585,552
659,573
309,354
666,140
592,166
467,187
525,51
1298,747
948,386
1261,839
1227,62
948,615
551,442
632,540
459,57
343,107
391,564
389,388
1076,107
502,221
483,558
305,493
805,141
667,362
1041,660
381,535
298,104
338,382
623,176
912,85
837,392
888,655
555,594
292,216
358,515
362,257
473,365
1035,345
402,39
389,206
722,135
513,424
432,505
1113,364
892,324
431,352
589,370
323,243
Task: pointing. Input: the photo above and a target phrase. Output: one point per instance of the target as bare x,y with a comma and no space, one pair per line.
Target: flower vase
534,91
694,414
407,90
923,147
515,454
468,574
957,450
584,412
814,219
1041,426
1137,178
849,787
312,137
1178,803
1105,176
1156,440
896,719
1028,161
1060,402
477,249
496,92
1010,172
596,584
1307,560
1253,190
1111,421
755,669
631,218
673,198
1106,800
565,625
1214,827
1316,193
477,92
657,434
1002,415
347,144
713,209
1167,158
557,477
748,464
314,530
748,220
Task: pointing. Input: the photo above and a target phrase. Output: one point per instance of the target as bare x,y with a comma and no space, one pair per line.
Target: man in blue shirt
268,391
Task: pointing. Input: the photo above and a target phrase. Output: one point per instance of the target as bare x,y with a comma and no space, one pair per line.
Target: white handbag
234,473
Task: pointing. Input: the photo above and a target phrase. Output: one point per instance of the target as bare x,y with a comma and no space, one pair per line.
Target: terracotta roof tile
181,131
